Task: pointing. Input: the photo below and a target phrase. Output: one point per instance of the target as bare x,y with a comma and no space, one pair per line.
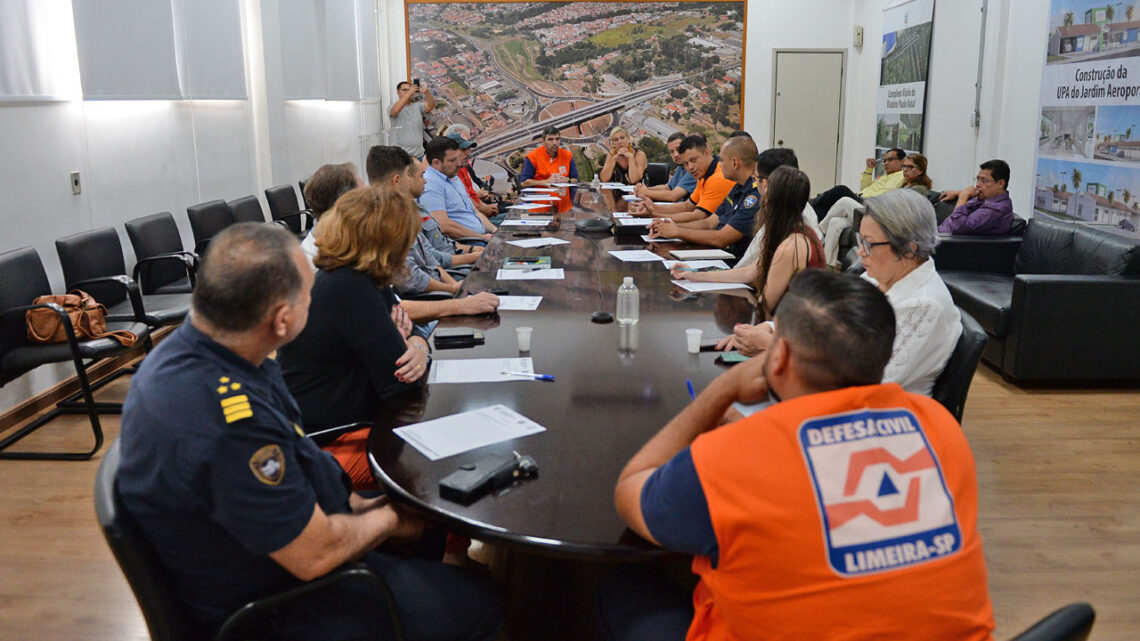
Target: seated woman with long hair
623,164
842,213
355,350
788,247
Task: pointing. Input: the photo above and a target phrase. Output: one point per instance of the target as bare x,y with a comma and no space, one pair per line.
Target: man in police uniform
237,502
733,222
846,508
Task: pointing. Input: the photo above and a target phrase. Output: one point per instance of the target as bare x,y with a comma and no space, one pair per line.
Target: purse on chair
88,319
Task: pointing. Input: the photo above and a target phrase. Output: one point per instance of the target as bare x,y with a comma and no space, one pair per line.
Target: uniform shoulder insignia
234,407
268,464
750,201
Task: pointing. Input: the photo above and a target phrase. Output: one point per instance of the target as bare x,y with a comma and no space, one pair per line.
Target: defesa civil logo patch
881,495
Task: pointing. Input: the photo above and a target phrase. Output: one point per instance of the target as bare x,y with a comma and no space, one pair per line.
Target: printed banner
907,30
1088,146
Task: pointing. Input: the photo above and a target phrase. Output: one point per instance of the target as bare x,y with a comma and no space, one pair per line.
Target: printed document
458,433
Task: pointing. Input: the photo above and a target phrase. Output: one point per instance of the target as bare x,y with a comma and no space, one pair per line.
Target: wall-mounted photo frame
507,70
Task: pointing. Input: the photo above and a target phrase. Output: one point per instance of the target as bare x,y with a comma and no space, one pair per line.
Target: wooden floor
1058,470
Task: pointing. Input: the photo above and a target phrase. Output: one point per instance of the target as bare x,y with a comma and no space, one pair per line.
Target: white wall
141,157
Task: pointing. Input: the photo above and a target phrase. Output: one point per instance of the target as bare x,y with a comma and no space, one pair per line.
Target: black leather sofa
1059,303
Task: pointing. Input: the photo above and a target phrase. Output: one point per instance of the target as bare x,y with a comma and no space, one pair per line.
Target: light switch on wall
75,186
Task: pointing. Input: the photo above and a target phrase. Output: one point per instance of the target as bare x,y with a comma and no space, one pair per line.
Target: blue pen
692,394
537,377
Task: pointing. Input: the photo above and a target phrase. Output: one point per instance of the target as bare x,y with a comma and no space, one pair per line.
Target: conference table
614,387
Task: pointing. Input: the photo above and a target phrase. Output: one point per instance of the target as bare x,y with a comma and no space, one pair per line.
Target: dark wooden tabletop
614,388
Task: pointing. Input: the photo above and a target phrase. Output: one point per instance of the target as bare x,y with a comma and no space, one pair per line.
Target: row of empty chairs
154,294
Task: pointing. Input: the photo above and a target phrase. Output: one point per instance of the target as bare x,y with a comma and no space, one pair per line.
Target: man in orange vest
712,186
550,163
845,510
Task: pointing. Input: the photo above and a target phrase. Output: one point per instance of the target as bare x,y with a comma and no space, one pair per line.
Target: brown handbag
88,319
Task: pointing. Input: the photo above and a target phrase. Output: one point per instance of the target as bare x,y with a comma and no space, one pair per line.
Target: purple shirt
990,217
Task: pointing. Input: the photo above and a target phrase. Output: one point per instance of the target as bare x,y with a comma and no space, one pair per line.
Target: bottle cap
628,280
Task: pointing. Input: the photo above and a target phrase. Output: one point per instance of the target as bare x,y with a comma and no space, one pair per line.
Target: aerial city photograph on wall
509,70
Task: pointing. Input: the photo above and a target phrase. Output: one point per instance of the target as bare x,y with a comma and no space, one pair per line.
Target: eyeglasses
982,180
865,245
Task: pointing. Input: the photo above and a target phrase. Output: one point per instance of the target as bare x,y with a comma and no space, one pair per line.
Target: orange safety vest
712,188
846,515
545,166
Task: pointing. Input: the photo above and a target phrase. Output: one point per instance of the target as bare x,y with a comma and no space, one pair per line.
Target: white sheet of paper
622,214
697,264
696,254
563,184
634,222
535,190
630,198
612,185
478,370
537,242
527,222
691,286
647,239
530,206
519,304
538,274
458,433
537,198
634,255
627,188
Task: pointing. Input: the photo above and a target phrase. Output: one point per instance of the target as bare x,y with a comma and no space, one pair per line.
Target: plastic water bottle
595,184
627,302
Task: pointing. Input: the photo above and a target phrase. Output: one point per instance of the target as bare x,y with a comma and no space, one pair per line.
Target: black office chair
301,188
247,210
93,261
207,220
22,279
166,619
283,208
162,266
952,385
656,173
1073,622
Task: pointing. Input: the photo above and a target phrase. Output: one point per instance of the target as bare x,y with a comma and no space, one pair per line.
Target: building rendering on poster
907,30
1088,146
508,70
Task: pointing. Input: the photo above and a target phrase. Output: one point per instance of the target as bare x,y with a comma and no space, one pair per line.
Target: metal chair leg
91,410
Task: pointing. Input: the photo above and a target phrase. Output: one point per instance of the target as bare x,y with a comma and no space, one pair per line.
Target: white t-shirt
927,327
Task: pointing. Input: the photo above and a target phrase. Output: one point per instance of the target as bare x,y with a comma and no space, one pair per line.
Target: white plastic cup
523,335
693,340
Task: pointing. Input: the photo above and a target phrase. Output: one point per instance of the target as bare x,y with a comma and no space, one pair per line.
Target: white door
807,111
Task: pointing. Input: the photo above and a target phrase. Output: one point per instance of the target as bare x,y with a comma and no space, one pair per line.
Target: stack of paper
634,255
538,242
526,274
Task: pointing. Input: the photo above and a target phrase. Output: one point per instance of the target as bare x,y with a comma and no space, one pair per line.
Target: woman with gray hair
896,239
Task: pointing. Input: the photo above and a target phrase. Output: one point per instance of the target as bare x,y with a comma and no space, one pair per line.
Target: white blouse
927,327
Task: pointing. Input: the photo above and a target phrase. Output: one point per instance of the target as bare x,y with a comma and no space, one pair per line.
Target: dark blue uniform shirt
739,212
217,472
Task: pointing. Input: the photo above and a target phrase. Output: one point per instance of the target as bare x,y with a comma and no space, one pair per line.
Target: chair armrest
357,570
992,254
304,217
324,437
1073,327
68,328
471,240
127,283
189,260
